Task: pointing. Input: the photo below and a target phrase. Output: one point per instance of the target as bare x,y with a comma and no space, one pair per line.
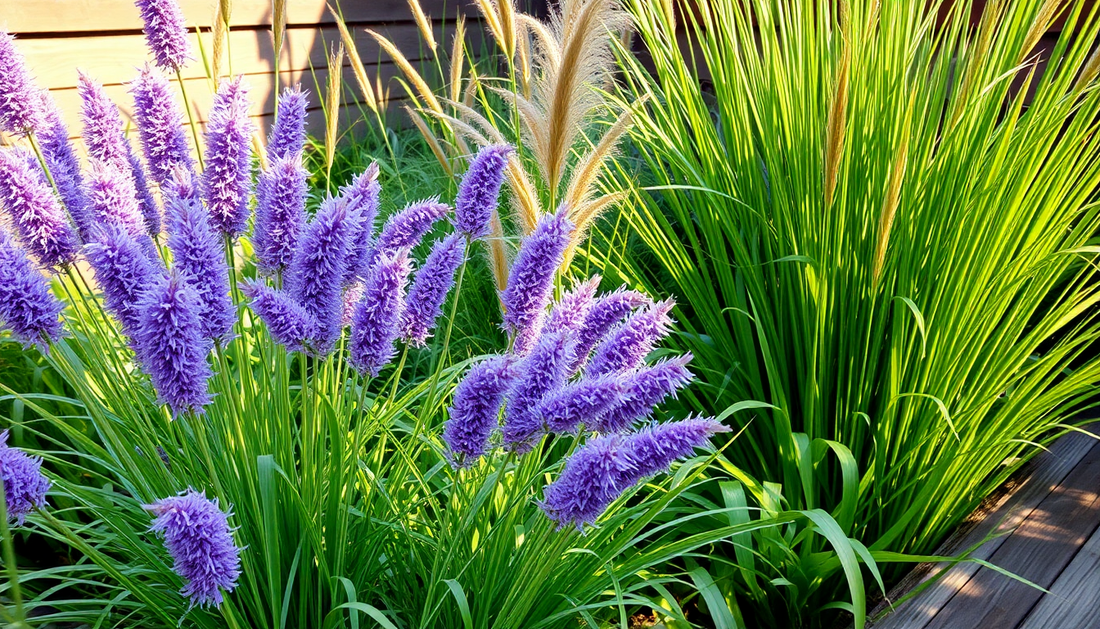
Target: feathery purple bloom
20,106
123,271
288,134
197,535
113,199
198,255
352,295
160,125
642,390
21,478
227,178
473,413
165,33
376,323
542,371
532,278
480,189
27,307
287,321
605,312
280,213
405,229
628,344
581,402
606,466
362,196
430,287
316,275
60,158
569,313
39,220
171,344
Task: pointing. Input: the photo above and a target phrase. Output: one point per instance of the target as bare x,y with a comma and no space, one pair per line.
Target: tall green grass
879,221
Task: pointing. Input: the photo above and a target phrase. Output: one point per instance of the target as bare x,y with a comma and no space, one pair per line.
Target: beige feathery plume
423,23
591,165
835,127
221,34
1039,26
278,27
458,58
429,137
370,98
893,195
332,104
411,75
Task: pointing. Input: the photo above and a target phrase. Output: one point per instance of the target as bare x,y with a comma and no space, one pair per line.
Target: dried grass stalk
835,127
423,23
413,77
369,95
429,137
332,104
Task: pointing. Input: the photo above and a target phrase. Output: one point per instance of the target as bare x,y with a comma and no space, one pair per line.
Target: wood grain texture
1074,600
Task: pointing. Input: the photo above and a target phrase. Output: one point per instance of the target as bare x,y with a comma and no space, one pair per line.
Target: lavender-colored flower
227,179
20,107
628,344
352,294
376,323
532,278
541,372
165,33
288,322
430,287
405,229
288,134
606,466
569,313
608,310
171,344
38,218
104,138
160,125
474,412
197,535
60,158
200,259
27,307
316,273
123,271
280,213
113,200
642,390
581,402
480,189
21,476
362,196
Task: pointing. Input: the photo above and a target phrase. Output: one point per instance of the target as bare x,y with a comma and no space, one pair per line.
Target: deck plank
1003,514
1074,600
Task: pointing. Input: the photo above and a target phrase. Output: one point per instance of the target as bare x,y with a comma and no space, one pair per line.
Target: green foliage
882,225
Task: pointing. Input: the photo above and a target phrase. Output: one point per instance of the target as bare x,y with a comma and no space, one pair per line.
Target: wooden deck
1047,528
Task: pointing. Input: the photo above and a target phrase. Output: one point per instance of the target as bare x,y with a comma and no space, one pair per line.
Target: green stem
190,118
9,559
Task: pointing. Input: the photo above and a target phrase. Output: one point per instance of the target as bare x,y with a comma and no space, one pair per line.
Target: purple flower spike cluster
476,409
197,535
113,199
24,485
20,106
531,279
160,125
27,307
288,322
281,189
429,290
39,219
165,33
60,158
480,189
123,270
288,134
376,322
227,179
363,197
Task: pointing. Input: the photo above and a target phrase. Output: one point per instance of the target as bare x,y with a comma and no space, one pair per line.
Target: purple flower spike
20,106
532,278
24,485
430,287
165,33
57,152
227,180
644,389
198,256
172,347
39,220
375,326
197,535
655,448
160,125
362,196
405,229
27,307
113,200
602,316
582,402
352,295
288,134
540,373
123,271
316,273
280,213
473,414
480,189
627,345
288,322
570,311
